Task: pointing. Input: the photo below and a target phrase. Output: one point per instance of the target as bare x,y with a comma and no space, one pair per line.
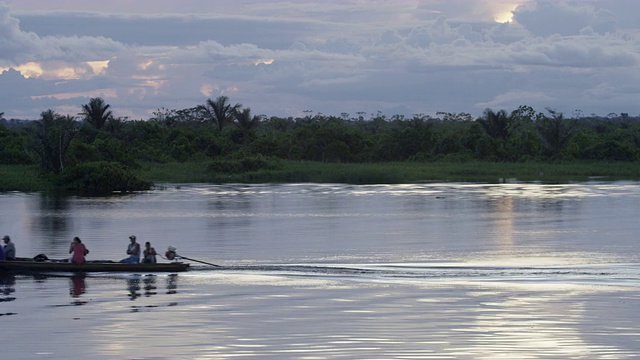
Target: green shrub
100,177
243,164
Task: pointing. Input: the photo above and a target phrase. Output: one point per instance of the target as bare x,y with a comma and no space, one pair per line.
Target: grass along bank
28,178
394,172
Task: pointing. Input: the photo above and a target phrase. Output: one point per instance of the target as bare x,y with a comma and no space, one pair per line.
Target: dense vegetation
99,152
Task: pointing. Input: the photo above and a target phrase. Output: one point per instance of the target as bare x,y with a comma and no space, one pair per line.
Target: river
324,271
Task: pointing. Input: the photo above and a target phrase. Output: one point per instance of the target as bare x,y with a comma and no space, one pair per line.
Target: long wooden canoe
29,265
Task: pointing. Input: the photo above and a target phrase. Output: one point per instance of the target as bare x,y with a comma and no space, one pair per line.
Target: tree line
221,131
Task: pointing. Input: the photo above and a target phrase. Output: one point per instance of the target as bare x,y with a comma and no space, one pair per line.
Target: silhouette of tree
52,136
245,121
220,111
96,112
495,124
555,131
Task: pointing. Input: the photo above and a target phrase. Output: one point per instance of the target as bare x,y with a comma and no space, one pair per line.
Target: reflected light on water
540,325
504,222
321,271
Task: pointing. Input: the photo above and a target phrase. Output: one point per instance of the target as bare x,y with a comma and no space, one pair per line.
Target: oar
198,261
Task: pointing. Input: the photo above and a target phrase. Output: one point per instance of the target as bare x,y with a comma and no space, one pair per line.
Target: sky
334,57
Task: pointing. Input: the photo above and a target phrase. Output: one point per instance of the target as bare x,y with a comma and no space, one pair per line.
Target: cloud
17,46
281,58
169,30
583,51
546,18
513,99
13,42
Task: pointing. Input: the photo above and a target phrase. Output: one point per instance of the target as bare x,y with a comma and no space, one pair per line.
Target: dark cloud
26,97
580,52
14,85
545,18
14,43
19,46
169,30
281,58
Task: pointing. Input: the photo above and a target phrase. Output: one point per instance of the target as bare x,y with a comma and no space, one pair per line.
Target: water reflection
133,286
7,287
53,215
172,283
452,271
229,213
77,287
505,216
149,285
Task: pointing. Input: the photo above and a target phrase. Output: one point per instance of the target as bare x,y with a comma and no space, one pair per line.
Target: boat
31,265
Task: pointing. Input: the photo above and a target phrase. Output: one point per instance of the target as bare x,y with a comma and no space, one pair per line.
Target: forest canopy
235,140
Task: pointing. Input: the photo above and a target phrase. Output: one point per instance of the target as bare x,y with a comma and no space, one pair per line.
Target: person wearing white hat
133,250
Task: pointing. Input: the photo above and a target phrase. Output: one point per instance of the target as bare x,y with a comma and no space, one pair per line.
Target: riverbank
396,172
28,179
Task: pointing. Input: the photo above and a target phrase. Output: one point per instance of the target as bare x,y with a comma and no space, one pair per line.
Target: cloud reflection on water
308,270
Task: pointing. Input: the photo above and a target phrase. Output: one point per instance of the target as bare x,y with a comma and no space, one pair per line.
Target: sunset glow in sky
286,57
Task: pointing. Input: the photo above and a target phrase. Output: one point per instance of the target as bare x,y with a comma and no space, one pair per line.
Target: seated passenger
133,250
149,254
9,248
78,250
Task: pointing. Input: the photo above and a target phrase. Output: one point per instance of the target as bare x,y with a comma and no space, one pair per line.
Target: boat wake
626,274
603,274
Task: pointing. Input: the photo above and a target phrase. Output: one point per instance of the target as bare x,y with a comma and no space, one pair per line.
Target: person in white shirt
9,248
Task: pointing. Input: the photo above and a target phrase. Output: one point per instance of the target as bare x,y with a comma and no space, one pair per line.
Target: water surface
310,271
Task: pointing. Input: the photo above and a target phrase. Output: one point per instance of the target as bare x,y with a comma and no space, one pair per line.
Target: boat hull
89,266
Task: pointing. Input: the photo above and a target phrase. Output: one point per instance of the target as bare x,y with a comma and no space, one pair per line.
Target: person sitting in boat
9,248
2,257
133,250
78,250
149,254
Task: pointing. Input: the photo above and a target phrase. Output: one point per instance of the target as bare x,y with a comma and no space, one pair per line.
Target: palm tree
555,131
246,122
115,124
496,124
52,136
96,112
220,111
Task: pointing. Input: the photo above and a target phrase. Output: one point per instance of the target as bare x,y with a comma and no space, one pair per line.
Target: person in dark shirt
149,254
